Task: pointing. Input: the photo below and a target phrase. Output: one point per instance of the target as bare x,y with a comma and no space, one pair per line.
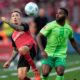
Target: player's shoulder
26,26
51,24
69,26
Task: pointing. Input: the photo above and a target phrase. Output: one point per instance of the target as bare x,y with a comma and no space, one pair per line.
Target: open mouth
15,20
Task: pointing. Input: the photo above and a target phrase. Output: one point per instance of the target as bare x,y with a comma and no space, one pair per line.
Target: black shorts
23,62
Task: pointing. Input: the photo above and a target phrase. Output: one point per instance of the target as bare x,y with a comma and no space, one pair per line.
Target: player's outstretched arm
74,44
7,64
38,38
13,56
16,27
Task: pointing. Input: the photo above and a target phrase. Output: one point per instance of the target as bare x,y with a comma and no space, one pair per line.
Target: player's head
16,16
61,14
42,12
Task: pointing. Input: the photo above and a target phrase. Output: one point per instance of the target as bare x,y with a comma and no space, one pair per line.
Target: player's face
42,12
60,15
16,18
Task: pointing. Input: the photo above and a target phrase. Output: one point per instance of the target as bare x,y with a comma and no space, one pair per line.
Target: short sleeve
71,34
46,30
26,27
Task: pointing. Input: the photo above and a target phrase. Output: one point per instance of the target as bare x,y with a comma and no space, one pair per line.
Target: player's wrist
41,50
9,61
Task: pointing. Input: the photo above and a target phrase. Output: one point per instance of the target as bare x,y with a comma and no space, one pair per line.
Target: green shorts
54,62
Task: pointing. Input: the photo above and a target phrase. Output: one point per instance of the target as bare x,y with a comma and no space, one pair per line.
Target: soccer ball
38,64
31,9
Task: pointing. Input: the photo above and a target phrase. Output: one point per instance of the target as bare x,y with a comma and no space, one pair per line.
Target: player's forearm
76,48
13,56
16,27
38,38
74,44
15,51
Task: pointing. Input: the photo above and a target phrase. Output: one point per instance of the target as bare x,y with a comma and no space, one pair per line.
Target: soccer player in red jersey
24,44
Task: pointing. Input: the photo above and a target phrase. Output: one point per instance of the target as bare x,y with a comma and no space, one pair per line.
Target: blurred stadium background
73,68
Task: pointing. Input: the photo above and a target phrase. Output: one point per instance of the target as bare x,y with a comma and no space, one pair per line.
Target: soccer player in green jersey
57,32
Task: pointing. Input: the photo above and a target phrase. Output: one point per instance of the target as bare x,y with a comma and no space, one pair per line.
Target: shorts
22,62
54,62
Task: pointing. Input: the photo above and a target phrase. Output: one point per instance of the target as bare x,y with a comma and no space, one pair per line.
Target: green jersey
57,38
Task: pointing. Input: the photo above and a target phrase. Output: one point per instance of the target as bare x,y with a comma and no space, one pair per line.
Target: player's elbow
39,36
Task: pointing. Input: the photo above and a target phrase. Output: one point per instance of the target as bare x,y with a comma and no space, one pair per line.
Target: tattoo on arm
18,28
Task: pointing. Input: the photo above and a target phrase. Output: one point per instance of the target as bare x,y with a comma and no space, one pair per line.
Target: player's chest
20,35
61,31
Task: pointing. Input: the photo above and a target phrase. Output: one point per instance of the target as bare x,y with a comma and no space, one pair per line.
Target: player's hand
3,19
7,64
44,54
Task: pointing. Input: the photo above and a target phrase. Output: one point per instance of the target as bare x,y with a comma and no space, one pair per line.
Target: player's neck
62,23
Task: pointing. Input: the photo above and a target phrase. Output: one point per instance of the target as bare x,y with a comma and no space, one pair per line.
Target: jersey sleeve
71,33
46,30
26,27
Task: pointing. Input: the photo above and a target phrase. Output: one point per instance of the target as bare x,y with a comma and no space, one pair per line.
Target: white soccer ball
38,64
31,9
